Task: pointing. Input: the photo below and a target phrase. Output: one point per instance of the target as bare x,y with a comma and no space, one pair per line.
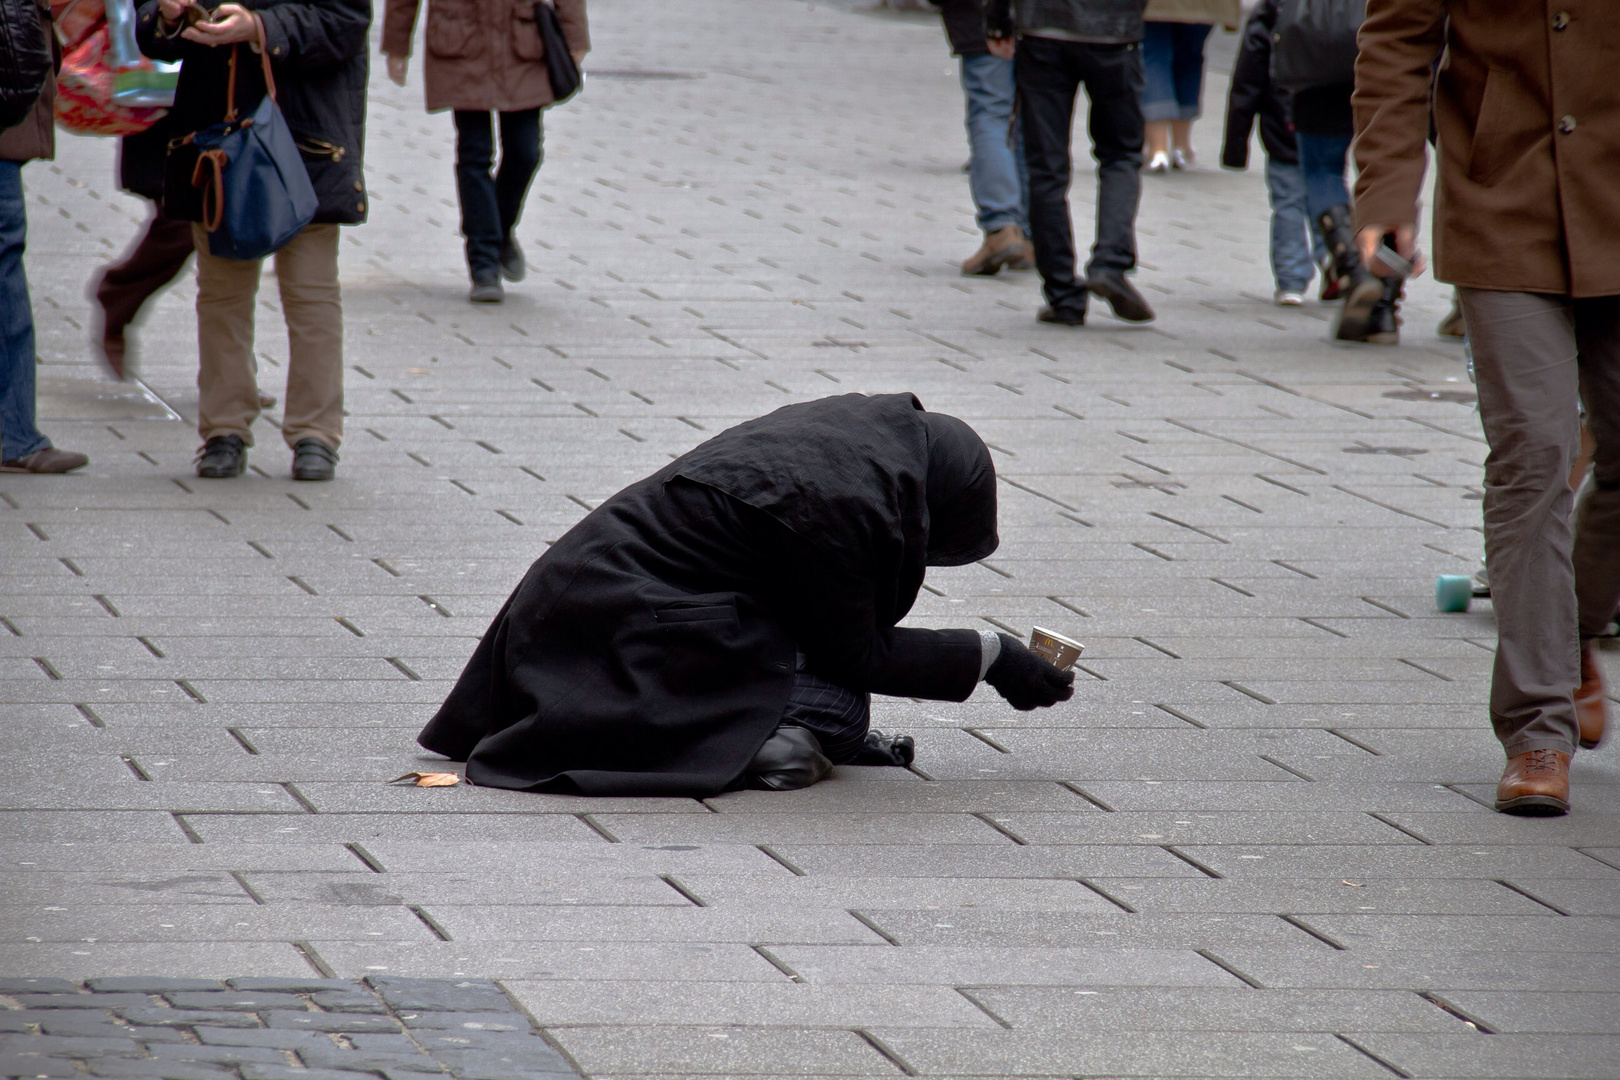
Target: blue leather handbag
256,191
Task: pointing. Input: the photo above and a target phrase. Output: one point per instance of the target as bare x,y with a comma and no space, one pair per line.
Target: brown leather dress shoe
1591,708
48,460
1535,783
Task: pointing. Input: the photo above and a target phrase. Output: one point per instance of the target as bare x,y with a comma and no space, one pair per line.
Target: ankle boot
1384,321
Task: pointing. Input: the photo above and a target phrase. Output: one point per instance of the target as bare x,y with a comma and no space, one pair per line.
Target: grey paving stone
1576,1014
1523,1057
156,1070
722,1051
463,995
38,986
325,1021
143,985
232,1000
157,1016
288,986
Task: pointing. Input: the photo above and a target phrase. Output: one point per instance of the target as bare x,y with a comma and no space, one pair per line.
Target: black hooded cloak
650,650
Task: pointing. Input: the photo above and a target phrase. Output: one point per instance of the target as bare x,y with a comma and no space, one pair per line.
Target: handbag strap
209,174
264,59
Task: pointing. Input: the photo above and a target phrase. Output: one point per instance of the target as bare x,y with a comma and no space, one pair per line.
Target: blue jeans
996,170
1172,70
18,435
1322,158
1294,237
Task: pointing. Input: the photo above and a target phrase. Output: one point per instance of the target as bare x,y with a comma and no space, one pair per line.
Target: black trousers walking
492,204
1050,74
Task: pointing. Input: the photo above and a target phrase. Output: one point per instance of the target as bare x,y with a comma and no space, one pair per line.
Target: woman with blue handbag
269,123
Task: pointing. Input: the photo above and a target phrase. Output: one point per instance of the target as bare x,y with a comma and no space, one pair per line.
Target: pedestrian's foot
47,461
266,401
1591,706
1355,320
1535,783
222,457
313,460
1159,162
1182,159
1000,248
486,289
1061,316
1025,259
1128,304
513,267
1288,297
1453,325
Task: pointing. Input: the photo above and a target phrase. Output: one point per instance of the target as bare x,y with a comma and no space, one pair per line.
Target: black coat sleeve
832,614
1251,81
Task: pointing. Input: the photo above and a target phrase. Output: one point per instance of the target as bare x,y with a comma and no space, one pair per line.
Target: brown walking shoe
1591,706
1001,247
49,461
1535,782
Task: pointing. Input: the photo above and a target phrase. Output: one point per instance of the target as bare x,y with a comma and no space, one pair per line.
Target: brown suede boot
1535,782
1591,708
999,248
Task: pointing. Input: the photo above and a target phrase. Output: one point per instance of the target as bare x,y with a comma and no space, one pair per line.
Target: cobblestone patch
269,1029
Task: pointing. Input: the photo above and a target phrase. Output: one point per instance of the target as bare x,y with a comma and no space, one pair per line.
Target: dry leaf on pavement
430,779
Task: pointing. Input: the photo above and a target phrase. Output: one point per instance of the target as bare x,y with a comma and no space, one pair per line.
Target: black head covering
880,486
961,493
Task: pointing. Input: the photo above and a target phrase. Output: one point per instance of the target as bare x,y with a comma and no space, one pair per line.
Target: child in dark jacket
1294,244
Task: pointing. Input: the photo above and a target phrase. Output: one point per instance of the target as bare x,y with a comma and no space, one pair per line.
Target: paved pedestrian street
1258,842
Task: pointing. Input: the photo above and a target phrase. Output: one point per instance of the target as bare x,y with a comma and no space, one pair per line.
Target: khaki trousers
311,303
1536,357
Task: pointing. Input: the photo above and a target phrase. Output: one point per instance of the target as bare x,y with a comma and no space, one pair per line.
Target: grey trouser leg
1533,354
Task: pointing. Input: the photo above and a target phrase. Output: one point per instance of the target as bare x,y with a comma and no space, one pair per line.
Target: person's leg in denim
476,190
996,159
1322,159
521,154
18,435
1291,262
1048,79
1113,81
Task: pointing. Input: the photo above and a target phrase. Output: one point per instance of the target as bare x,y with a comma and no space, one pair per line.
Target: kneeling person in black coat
722,623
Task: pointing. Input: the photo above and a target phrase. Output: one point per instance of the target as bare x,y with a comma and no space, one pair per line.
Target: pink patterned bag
106,87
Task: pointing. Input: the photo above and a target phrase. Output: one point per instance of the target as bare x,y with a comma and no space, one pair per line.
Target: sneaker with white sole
1288,298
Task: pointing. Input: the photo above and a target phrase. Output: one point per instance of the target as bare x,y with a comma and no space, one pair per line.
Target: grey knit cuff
989,649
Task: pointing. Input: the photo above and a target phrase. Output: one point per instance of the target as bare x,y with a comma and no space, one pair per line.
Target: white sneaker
1182,159
1159,163
1287,298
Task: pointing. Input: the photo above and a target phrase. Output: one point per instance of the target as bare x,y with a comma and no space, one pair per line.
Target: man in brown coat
22,447
483,58
1527,225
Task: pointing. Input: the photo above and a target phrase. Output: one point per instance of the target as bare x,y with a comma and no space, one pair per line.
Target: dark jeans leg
1047,83
480,205
521,154
156,259
1113,78
18,435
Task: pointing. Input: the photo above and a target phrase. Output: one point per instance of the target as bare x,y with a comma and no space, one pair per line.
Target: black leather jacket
1088,20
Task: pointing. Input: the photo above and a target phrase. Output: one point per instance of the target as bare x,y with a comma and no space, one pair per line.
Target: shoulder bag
565,76
256,194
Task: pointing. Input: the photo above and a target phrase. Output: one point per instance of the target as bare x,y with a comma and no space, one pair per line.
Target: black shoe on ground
513,266
313,460
222,457
1128,304
486,289
1061,316
1365,294
1384,324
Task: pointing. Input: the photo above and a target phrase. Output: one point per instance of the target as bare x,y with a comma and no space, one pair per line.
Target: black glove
1025,680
